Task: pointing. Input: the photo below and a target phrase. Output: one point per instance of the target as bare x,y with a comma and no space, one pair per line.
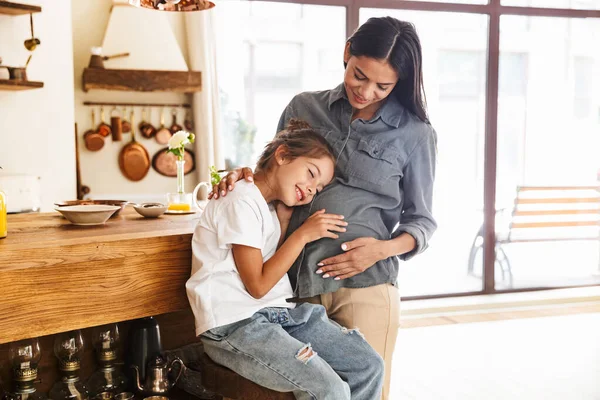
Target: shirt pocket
374,162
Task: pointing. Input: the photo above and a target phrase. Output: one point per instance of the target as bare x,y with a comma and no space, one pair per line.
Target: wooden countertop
55,276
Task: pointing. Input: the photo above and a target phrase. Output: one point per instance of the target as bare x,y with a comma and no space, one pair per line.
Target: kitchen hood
146,35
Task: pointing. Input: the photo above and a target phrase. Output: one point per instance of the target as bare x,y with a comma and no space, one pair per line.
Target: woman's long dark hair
397,42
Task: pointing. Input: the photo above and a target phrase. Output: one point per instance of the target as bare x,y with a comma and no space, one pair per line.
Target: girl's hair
298,140
396,42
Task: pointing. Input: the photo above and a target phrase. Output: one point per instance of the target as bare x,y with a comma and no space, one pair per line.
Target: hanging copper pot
146,128
93,140
163,134
187,122
125,125
175,127
104,129
115,126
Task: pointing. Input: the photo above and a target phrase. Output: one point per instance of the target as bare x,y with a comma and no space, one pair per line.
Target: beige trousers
375,311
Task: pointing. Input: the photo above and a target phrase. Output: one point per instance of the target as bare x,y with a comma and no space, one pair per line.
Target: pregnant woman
385,149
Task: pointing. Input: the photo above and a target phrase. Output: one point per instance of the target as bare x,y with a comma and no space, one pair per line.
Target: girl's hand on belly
359,254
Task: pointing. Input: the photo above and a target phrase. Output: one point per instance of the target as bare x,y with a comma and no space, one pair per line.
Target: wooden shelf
7,7
142,80
6,84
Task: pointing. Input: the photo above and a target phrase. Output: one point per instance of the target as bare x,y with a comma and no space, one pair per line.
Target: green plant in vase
180,201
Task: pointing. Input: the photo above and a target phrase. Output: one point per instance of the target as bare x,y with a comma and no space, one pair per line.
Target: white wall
36,126
100,170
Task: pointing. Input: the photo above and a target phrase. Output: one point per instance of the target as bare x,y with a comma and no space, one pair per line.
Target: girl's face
298,181
367,80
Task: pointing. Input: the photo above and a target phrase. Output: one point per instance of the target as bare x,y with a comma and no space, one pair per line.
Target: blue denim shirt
383,186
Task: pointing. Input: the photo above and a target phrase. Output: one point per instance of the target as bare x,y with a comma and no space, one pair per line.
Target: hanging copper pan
164,163
134,160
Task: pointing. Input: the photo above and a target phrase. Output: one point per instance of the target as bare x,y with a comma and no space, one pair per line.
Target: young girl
239,286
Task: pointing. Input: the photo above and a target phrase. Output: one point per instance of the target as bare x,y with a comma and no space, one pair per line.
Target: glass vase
180,176
180,201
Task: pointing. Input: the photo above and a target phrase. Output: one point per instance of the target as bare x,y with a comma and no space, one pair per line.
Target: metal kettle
157,381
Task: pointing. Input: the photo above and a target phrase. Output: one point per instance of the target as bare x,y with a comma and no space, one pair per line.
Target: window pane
259,71
573,4
548,136
454,67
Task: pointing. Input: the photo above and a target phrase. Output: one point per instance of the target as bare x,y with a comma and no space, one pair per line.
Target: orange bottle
3,227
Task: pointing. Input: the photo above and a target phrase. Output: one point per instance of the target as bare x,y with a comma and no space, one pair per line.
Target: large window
267,53
454,51
553,141
515,100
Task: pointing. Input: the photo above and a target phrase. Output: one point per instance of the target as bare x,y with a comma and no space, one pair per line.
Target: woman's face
367,80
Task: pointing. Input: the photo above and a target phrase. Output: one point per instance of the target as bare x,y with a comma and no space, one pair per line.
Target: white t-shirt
215,290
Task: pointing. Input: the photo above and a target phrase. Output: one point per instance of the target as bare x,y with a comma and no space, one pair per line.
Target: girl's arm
259,277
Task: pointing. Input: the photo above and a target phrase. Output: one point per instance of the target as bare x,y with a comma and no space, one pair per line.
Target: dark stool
232,386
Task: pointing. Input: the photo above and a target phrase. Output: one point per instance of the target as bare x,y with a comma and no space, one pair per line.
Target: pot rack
173,105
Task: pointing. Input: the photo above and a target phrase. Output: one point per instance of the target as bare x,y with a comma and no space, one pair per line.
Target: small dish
150,210
90,214
120,203
181,212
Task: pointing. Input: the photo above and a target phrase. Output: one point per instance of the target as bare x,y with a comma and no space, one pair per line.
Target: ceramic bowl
120,203
90,214
150,210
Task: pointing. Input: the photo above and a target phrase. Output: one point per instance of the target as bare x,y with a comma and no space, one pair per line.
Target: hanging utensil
31,44
164,163
187,122
146,128
134,160
175,127
115,125
97,60
104,129
125,125
163,134
93,140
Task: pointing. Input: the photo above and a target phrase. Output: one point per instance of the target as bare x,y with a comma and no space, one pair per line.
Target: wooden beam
9,8
142,80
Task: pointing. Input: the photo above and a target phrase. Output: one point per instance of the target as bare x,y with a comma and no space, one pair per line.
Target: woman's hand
320,225
228,182
359,254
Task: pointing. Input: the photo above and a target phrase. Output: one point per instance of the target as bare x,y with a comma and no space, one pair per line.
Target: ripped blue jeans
299,350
